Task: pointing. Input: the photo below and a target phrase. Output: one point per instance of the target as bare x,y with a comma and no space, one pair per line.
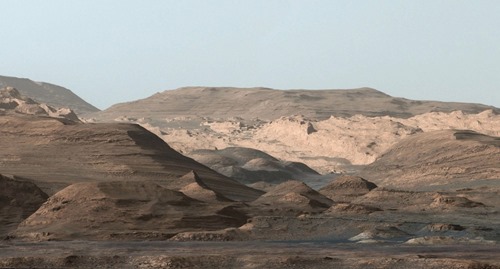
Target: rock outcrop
53,95
19,199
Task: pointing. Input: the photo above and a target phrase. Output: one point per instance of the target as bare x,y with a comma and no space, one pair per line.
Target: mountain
270,104
51,94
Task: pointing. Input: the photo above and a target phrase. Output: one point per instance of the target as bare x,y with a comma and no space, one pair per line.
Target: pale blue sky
113,51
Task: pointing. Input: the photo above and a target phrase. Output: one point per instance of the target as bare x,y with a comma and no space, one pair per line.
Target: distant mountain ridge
51,94
271,104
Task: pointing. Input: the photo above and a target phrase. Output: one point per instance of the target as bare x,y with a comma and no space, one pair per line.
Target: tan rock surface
292,197
12,100
438,157
51,94
335,144
336,128
269,104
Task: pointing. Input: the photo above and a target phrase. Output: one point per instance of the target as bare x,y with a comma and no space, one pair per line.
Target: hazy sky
113,51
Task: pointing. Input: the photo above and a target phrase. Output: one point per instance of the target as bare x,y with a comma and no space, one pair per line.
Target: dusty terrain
420,191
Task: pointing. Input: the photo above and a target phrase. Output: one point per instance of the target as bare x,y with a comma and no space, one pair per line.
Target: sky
110,51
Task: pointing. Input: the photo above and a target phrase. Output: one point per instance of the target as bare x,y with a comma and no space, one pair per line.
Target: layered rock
57,152
123,210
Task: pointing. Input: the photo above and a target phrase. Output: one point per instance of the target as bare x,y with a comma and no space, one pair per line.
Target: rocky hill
55,150
12,100
270,104
50,94
328,130
438,157
123,210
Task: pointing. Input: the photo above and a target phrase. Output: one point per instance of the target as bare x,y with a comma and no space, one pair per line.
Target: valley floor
256,254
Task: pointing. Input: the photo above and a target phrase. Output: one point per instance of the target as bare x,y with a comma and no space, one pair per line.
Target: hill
270,104
57,151
438,157
51,94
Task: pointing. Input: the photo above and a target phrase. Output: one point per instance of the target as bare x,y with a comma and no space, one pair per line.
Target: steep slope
18,200
48,93
269,104
438,157
58,152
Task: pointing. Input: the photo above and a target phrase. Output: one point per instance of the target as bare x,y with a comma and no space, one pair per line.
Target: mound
18,200
123,210
447,201
56,153
346,188
51,94
439,157
248,165
293,196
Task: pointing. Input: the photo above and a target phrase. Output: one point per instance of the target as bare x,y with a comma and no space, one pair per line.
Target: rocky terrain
323,191
53,95
336,144
270,104
443,157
